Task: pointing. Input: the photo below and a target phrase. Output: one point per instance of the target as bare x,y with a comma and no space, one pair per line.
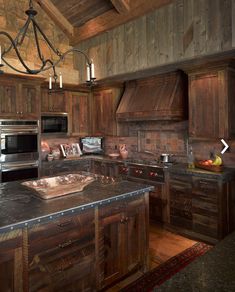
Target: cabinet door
156,204
79,118
53,102
8,100
180,192
111,240
30,102
104,108
62,255
11,262
207,101
136,241
98,167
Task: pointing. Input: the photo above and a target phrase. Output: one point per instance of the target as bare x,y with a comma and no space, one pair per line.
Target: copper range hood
161,97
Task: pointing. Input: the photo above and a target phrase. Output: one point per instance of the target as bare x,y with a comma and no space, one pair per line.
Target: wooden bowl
214,168
114,155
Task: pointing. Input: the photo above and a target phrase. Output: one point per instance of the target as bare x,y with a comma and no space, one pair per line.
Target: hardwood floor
163,245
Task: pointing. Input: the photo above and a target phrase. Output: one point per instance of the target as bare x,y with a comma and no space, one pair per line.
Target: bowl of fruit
214,164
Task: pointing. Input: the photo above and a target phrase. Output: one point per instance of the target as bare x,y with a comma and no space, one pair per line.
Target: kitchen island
80,242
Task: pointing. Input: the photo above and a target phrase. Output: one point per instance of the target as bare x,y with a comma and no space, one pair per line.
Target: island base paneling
85,251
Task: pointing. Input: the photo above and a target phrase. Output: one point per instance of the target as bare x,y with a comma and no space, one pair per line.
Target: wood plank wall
182,30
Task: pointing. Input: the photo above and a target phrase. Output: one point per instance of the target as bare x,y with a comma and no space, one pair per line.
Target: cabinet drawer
60,232
206,187
205,225
64,267
177,178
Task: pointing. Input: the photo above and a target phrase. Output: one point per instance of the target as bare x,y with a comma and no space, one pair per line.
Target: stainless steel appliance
54,123
19,149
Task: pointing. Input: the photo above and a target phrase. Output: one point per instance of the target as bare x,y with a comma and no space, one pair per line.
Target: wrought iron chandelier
46,63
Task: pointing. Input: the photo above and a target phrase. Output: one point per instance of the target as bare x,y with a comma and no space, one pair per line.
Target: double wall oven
19,151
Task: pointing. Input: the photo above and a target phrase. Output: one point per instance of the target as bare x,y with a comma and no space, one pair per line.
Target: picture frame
70,150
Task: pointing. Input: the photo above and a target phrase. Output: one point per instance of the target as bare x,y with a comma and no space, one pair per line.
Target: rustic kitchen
117,157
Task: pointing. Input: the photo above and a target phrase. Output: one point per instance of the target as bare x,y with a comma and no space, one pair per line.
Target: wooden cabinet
78,113
158,204
103,111
53,102
57,167
211,105
19,98
11,261
80,251
209,201
123,238
62,254
106,168
181,201
199,205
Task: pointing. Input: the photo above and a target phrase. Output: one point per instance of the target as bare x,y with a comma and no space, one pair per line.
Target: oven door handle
16,166
3,135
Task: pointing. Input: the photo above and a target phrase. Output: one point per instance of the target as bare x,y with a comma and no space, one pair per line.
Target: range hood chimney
161,97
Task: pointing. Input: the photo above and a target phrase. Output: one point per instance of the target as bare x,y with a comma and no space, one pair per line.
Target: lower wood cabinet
57,167
62,254
82,252
104,168
199,205
124,240
11,261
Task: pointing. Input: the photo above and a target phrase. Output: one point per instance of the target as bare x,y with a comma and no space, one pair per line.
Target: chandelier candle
50,82
61,82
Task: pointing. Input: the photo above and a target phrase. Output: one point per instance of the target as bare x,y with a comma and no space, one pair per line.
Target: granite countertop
20,206
214,271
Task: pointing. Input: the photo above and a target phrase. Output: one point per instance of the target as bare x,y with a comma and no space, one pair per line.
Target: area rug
165,271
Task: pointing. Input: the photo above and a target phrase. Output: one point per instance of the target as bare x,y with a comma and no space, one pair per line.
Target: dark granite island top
20,206
214,271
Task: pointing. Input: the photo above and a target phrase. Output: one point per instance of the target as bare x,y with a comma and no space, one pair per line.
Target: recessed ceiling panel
79,12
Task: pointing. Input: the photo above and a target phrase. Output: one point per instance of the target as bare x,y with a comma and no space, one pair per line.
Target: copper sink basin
53,187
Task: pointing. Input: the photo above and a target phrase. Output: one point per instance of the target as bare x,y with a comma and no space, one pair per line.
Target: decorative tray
53,187
213,168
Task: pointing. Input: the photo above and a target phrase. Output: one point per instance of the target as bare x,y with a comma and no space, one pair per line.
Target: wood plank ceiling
83,19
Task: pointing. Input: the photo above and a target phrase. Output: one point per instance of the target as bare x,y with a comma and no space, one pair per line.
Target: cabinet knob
17,113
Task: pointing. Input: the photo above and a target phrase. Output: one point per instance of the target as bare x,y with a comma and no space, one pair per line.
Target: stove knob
140,171
154,174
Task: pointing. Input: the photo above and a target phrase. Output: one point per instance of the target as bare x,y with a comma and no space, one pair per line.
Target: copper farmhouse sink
53,187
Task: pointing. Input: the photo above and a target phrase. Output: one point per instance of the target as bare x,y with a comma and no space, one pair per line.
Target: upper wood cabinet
211,105
103,111
19,98
78,113
53,102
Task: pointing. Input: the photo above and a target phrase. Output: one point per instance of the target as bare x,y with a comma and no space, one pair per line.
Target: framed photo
71,150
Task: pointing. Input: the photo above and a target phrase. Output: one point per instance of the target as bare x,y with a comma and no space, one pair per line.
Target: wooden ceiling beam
122,6
57,17
112,19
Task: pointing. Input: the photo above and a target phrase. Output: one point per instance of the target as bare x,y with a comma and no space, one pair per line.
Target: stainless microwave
54,123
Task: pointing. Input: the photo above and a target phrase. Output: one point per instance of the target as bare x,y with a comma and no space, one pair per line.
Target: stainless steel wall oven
19,151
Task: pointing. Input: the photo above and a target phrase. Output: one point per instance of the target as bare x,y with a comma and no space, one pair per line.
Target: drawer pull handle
65,244
65,223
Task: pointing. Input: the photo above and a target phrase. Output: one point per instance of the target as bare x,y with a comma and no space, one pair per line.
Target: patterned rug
165,271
